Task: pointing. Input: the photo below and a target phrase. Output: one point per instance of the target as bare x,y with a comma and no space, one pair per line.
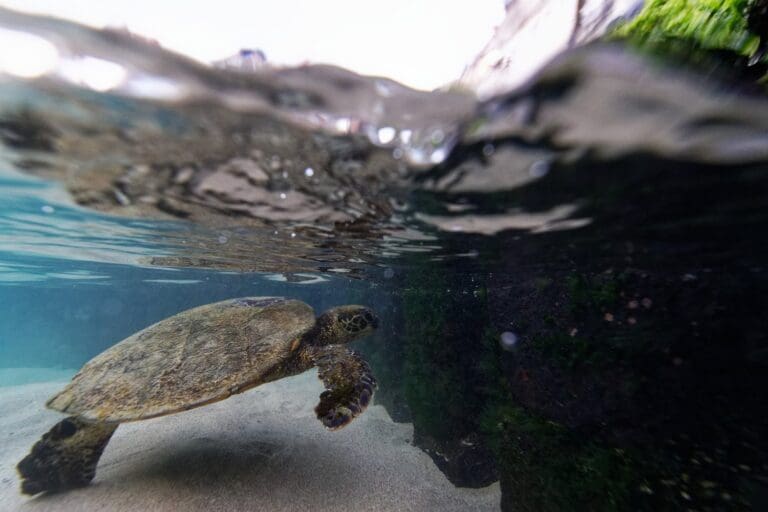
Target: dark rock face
641,337
466,462
440,353
615,366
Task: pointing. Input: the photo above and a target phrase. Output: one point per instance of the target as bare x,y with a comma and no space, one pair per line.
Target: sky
422,43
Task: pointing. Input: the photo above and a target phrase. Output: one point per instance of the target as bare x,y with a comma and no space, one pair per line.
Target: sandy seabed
263,450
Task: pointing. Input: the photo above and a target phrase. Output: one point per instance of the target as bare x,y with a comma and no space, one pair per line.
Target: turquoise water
64,313
72,282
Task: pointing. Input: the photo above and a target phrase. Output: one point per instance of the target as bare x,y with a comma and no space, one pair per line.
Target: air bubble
386,134
508,341
283,195
489,149
539,169
309,172
438,155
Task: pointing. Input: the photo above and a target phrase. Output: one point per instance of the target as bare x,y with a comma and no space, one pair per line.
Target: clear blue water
74,282
59,313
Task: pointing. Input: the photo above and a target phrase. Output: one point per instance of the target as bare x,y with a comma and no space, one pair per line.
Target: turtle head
344,324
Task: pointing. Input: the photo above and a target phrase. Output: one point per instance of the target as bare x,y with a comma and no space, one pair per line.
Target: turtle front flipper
65,457
349,385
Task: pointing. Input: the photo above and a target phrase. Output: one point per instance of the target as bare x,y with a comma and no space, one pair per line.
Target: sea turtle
194,358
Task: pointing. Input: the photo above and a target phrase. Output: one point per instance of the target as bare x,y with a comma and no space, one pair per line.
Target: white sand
260,451
18,376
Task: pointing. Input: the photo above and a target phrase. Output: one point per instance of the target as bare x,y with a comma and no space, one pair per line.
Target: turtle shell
193,358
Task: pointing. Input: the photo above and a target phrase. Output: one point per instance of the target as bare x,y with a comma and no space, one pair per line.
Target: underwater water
570,279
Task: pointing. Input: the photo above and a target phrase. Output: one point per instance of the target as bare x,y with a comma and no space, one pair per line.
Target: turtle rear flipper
349,385
65,457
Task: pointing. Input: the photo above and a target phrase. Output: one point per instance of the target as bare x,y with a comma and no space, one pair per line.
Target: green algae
546,467
437,381
704,24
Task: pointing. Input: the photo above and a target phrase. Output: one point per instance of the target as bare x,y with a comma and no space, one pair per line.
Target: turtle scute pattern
191,359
